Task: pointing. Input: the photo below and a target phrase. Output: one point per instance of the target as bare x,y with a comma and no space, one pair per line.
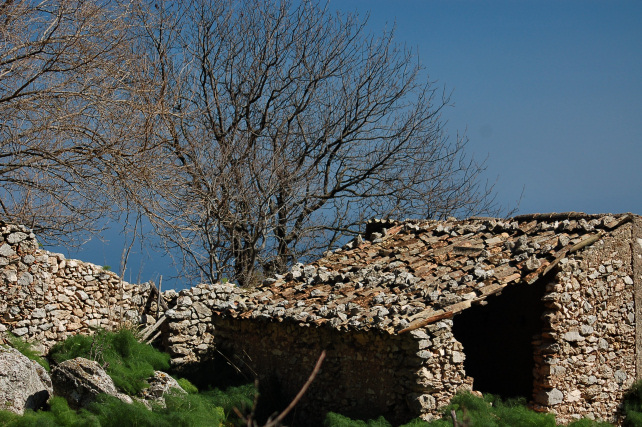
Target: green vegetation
126,360
107,267
470,410
27,350
209,409
632,406
130,363
108,411
187,386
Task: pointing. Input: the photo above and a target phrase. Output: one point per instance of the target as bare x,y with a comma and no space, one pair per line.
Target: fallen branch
421,323
277,421
300,394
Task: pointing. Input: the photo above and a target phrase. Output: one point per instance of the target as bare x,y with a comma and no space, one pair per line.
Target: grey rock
25,279
159,385
80,380
22,384
201,309
38,313
553,397
6,251
184,301
20,331
18,237
532,263
421,403
573,336
586,330
620,376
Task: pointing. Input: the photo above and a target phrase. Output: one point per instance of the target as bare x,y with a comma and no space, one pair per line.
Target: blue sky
549,91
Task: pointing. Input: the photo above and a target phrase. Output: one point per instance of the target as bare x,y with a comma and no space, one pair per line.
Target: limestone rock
159,385
22,384
80,380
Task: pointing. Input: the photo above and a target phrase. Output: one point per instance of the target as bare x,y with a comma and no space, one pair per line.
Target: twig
249,421
160,295
300,394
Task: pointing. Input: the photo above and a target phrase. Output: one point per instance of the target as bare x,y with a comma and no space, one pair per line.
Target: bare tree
68,97
282,128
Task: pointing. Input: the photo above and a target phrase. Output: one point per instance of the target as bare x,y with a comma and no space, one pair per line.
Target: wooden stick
421,323
150,330
299,395
158,302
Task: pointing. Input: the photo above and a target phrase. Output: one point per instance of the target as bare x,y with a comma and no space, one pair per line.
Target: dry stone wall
46,297
585,360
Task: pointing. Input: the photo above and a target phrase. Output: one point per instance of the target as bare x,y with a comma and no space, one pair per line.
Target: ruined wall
365,373
46,297
585,360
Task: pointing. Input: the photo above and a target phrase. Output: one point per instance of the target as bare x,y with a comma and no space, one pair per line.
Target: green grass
126,360
470,410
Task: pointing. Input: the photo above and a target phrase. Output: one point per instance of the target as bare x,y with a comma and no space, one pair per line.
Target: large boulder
23,383
80,380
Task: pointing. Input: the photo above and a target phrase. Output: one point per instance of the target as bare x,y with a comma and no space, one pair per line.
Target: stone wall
46,297
585,357
585,360
365,373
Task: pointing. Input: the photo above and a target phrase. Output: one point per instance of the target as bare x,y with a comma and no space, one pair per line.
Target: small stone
573,336
586,329
458,357
20,331
6,251
573,396
554,397
18,237
25,279
620,376
532,263
38,313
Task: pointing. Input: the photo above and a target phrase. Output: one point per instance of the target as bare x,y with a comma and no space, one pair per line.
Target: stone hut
542,306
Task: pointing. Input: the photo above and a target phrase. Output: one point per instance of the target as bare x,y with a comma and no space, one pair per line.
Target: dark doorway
498,337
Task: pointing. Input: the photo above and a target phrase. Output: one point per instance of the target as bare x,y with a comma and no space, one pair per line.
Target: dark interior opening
497,340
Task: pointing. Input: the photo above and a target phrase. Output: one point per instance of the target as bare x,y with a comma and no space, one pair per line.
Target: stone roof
404,275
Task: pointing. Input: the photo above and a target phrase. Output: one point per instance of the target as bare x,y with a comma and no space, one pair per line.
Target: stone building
542,306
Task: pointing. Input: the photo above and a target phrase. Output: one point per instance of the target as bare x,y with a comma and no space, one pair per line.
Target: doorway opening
497,340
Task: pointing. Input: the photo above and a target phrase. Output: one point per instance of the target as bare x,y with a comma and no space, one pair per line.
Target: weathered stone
6,250
80,380
553,397
18,237
23,384
159,385
573,336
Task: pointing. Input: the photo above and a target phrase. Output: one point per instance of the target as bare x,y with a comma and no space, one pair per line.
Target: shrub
126,360
470,410
585,422
632,406
240,397
187,386
337,420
